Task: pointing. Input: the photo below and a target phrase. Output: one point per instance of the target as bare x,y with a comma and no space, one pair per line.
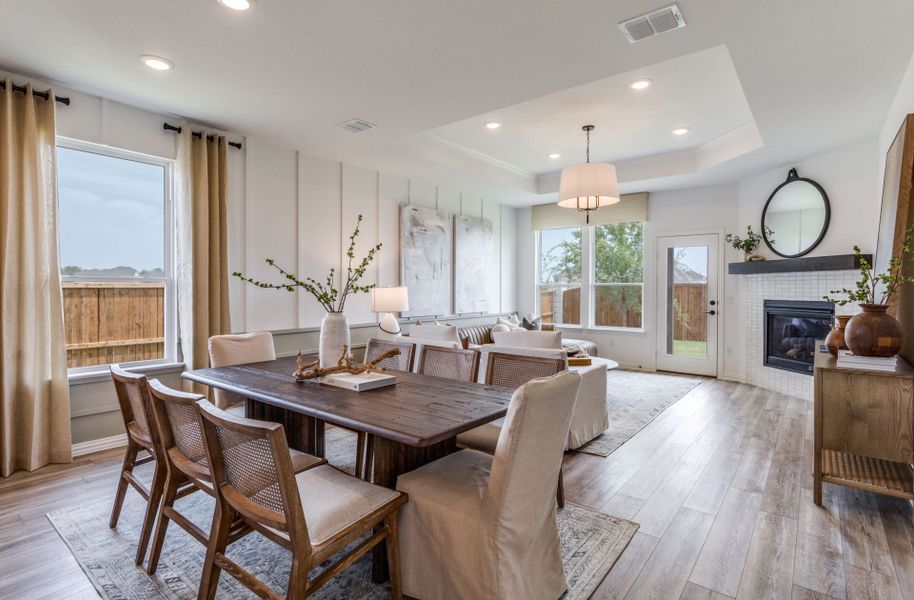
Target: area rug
591,544
634,399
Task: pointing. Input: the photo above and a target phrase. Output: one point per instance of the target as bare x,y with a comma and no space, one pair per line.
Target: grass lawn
686,348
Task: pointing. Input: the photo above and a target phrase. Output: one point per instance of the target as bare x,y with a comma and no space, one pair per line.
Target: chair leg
360,455
152,508
298,580
218,540
393,556
129,460
368,466
560,490
172,481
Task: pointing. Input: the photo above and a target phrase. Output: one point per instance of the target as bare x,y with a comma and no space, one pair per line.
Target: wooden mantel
838,262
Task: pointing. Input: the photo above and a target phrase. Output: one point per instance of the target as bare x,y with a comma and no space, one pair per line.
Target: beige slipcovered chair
238,349
484,526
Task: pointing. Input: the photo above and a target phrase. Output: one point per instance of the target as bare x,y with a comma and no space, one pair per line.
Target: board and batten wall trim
300,209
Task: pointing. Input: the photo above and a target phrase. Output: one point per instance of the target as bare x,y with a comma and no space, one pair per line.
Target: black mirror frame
792,177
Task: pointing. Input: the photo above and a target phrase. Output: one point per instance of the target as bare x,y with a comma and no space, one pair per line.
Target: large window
115,254
618,278
560,275
604,262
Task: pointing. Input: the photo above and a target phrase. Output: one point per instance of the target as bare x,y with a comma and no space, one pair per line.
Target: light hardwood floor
720,483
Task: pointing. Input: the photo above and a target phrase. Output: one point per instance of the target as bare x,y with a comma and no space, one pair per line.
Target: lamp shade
389,299
588,186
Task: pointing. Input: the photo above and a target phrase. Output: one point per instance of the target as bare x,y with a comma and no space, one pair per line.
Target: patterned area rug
591,544
634,399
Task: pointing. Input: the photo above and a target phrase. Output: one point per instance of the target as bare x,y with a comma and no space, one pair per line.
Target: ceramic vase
835,340
334,335
873,332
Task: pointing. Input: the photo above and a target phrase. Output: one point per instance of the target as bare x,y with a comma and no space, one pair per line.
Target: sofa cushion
529,339
477,335
440,333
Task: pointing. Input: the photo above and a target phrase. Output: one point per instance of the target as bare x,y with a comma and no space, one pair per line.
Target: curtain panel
34,391
202,251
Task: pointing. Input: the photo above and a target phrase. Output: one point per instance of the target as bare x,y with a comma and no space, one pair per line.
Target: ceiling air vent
356,125
653,23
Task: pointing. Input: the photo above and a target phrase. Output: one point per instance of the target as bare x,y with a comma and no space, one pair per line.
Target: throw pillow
533,324
511,326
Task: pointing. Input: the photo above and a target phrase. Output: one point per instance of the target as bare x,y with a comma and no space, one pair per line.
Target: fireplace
791,330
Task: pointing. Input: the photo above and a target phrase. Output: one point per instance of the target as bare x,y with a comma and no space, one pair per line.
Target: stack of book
360,382
849,360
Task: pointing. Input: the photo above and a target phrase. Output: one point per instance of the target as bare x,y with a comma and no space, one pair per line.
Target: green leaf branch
751,241
870,282
325,292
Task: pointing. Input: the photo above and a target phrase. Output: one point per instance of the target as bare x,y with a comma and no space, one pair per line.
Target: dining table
410,424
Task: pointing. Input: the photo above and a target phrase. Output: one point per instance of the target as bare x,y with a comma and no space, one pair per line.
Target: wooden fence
113,322
690,322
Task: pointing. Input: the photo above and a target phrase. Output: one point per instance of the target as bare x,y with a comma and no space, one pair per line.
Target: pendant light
588,186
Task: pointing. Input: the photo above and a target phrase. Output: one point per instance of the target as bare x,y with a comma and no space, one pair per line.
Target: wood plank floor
720,483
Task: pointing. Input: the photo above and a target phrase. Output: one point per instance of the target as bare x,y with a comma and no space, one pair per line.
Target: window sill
103,374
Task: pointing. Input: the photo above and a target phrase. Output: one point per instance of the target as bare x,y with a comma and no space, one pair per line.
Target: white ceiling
808,75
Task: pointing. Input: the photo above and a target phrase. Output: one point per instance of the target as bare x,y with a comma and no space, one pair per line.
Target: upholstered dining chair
238,349
133,398
512,370
484,526
450,363
314,514
184,452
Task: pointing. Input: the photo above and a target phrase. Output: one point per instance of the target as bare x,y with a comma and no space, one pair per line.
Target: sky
111,211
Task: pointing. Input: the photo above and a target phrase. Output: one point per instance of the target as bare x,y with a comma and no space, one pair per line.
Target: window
618,278
114,228
560,270
606,261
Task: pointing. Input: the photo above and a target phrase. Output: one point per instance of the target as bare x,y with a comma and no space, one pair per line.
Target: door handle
711,312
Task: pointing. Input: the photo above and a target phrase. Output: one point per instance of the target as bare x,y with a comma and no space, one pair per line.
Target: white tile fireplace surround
785,286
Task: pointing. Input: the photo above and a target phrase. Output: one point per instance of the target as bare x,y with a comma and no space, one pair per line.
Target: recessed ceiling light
641,84
555,155
681,131
236,4
493,125
157,62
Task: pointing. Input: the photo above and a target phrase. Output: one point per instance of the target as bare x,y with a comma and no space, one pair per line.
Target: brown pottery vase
835,340
873,332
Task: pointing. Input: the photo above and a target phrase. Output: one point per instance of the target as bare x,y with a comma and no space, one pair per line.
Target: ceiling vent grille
653,23
356,125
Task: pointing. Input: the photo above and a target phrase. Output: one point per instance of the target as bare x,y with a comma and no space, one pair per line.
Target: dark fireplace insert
791,330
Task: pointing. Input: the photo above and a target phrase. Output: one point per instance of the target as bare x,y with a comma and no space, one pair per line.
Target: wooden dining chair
314,514
238,349
403,363
184,452
512,371
449,363
133,398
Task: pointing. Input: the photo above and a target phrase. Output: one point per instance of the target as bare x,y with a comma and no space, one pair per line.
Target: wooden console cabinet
864,428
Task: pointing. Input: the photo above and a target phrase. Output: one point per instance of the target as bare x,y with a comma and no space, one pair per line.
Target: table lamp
388,301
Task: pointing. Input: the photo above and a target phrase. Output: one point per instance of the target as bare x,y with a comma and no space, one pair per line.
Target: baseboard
107,443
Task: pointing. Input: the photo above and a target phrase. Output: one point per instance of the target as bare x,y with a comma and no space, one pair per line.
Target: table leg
303,433
392,459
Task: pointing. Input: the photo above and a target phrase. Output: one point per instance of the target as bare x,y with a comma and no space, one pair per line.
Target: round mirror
795,217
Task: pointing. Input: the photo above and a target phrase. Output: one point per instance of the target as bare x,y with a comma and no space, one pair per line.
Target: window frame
170,345
589,283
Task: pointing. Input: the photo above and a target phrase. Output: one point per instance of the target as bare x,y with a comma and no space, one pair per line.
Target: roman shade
631,208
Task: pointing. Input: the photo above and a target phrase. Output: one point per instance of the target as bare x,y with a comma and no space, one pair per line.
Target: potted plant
874,332
749,243
334,327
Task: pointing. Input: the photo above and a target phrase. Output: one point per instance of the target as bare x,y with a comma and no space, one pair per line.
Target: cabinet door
870,415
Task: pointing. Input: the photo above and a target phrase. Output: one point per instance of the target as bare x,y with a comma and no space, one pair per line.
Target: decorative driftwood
313,370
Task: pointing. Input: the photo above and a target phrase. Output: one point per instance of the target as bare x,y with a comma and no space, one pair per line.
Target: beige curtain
202,251
34,392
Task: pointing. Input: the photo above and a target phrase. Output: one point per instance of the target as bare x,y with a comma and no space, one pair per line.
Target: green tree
618,258
70,270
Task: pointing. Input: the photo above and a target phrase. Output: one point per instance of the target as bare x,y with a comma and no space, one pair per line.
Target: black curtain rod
44,95
197,134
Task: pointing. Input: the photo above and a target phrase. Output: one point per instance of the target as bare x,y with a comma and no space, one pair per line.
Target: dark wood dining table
411,423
